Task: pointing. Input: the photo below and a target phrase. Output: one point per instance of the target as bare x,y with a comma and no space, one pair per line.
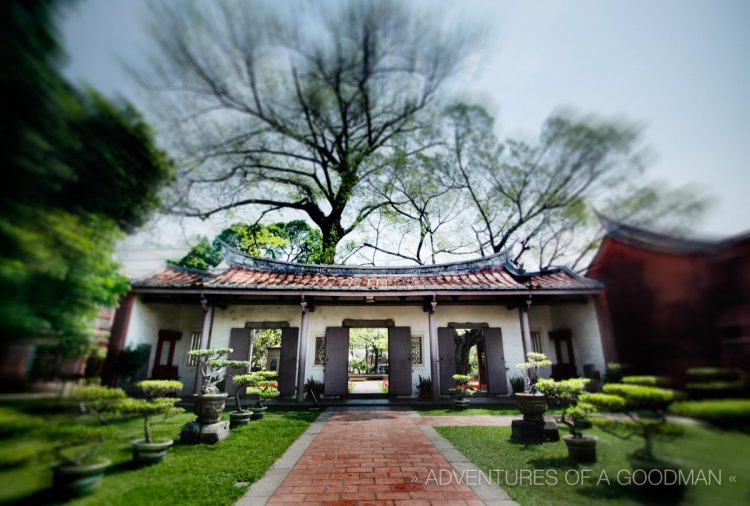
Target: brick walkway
371,456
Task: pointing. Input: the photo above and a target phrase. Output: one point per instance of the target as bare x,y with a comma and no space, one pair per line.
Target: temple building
425,310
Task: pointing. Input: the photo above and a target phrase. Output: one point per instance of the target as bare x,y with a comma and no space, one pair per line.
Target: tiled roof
244,272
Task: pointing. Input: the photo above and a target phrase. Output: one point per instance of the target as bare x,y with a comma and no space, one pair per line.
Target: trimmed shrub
614,372
604,402
641,397
727,413
649,381
704,374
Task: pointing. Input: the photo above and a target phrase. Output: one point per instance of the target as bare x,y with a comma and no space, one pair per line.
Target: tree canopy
293,241
81,170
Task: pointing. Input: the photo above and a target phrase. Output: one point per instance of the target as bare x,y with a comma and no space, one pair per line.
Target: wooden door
288,361
565,366
239,341
336,375
399,361
497,382
447,358
164,366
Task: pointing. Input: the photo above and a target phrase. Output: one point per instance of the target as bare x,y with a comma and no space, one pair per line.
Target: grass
198,475
473,409
699,448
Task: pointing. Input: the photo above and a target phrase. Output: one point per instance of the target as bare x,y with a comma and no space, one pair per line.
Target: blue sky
680,68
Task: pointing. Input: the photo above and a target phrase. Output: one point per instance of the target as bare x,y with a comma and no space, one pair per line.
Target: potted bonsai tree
78,470
240,416
462,391
581,448
148,450
532,403
209,403
264,385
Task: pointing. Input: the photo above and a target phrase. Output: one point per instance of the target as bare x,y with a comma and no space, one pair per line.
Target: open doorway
471,357
368,362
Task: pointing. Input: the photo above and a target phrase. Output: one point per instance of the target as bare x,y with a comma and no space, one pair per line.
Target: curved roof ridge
236,258
652,239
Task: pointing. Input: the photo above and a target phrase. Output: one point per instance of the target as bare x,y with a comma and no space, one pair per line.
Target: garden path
380,456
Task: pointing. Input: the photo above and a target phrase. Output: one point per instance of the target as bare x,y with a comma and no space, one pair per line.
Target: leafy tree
264,339
293,241
81,170
297,111
375,342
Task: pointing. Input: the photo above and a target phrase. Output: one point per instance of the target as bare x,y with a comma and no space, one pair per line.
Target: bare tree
295,111
520,191
422,213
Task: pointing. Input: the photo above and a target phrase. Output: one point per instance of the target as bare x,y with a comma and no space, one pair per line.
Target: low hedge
702,374
650,381
717,389
728,413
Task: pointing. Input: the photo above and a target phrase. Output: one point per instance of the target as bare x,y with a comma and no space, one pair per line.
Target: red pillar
117,338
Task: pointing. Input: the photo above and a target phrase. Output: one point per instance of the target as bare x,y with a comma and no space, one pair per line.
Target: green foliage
603,402
463,386
260,383
65,155
293,241
704,374
314,386
131,360
517,384
645,380
264,339
159,388
424,385
614,372
358,365
727,413
210,366
530,369
641,397
13,422
561,391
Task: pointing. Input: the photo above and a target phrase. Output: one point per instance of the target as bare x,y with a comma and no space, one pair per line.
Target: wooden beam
468,325
266,325
367,323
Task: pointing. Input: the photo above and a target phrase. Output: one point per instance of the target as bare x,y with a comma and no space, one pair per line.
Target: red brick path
370,456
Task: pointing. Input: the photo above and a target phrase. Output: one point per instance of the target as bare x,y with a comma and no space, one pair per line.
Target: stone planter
239,418
150,453
209,407
258,412
461,403
533,406
76,480
581,449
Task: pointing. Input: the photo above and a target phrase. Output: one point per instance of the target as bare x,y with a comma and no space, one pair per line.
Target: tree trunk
464,342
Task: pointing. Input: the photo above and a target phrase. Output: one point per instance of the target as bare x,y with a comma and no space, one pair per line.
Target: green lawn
197,475
490,449
473,409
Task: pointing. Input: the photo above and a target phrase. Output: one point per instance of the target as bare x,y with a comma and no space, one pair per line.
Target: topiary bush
530,370
261,383
614,372
650,381
725,413
642,397
153,404
210,367
567,391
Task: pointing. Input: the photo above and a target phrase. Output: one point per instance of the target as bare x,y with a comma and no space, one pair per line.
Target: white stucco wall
581,319
148,319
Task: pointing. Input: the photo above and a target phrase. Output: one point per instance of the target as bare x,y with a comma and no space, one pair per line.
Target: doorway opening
368,366
471,357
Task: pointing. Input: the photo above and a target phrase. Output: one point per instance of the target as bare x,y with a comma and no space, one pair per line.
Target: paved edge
262,490
490,494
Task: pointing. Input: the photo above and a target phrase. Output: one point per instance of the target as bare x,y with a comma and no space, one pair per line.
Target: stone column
434,353
302,351
525,331
208,321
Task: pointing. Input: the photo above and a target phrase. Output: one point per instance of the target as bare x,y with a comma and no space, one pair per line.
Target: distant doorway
368,362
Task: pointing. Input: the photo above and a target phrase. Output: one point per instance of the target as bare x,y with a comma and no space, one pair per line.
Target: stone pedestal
207,433
534,431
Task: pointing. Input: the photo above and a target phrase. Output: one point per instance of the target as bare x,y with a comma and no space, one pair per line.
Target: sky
679,68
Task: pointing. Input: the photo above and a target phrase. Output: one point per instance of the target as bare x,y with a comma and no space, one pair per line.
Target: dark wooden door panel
496,378
288,361
337,361
447,358
399,361
239,341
